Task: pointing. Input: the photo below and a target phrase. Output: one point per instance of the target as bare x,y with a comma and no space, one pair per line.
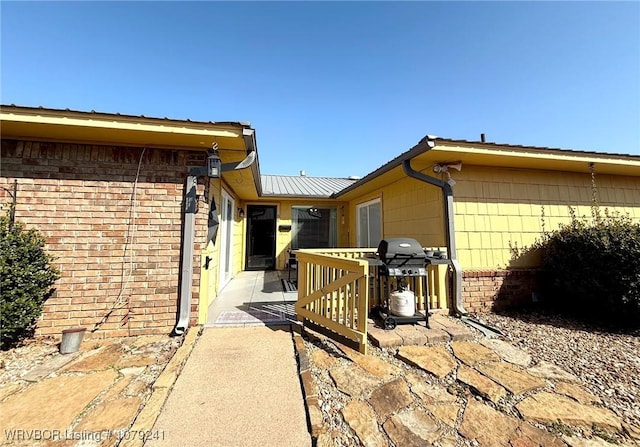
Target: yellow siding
283,238
410,208
495,207
238,236
209,277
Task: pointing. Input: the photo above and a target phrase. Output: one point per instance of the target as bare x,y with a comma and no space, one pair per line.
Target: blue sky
340,88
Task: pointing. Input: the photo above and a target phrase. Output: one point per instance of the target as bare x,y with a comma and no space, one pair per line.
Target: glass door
369,223
261,237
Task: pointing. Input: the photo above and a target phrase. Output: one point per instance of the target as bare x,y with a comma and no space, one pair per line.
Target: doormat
248,317
289,286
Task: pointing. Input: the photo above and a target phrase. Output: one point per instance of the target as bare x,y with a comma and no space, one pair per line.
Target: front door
226,239
261,237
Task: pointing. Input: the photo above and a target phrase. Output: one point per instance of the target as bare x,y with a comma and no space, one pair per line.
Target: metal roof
302,186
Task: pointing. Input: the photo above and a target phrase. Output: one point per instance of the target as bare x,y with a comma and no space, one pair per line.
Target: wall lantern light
214,164
240,213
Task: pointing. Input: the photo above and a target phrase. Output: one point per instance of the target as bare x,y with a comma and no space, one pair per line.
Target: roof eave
424,145
502,150
114,117
536,149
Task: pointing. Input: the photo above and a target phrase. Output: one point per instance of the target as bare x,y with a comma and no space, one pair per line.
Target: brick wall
119,258
493,290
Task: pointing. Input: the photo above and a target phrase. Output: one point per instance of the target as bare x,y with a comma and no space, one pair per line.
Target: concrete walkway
239,387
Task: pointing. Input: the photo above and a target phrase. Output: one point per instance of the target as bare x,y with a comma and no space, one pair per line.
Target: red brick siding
79,197
491,290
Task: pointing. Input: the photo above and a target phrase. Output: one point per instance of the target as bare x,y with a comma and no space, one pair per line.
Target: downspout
190,201
447,196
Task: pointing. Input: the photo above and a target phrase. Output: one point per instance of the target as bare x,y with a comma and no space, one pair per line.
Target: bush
592,269
26,280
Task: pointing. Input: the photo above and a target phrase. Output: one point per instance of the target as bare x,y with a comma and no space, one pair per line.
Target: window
369,221
313,227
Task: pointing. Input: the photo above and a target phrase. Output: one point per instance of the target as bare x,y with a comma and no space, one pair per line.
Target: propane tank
402,303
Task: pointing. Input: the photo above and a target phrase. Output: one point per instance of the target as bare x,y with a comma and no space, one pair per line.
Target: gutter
447,196
249,137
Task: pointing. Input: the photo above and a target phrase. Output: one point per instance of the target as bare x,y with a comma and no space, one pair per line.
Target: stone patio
463,388
99,396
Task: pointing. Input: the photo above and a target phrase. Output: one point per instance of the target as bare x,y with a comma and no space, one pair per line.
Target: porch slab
259,298
253,298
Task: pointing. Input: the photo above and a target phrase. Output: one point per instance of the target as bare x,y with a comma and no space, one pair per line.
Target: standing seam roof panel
302,186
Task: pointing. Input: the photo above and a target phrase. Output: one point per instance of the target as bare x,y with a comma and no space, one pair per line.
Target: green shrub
591,269
26,280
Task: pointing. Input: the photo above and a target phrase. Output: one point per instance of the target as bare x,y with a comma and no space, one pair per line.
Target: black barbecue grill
402,257
403,264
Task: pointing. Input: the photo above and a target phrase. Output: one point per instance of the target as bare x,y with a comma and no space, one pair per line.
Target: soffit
101,128
121,130
535,158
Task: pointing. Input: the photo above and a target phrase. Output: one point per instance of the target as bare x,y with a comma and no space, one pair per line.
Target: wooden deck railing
333,293
337,289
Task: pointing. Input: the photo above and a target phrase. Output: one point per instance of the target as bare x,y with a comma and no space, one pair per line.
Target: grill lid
402,256
400,249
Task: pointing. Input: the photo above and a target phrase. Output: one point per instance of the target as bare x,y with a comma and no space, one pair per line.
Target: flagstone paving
53,404
446,413
550,371
374,365
473,354
507,351
412,428
456,388
88,398
433,359
512,377
481,384
353,381
548,408
110,415
576,392
465,390
390,398
426,392
363,420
